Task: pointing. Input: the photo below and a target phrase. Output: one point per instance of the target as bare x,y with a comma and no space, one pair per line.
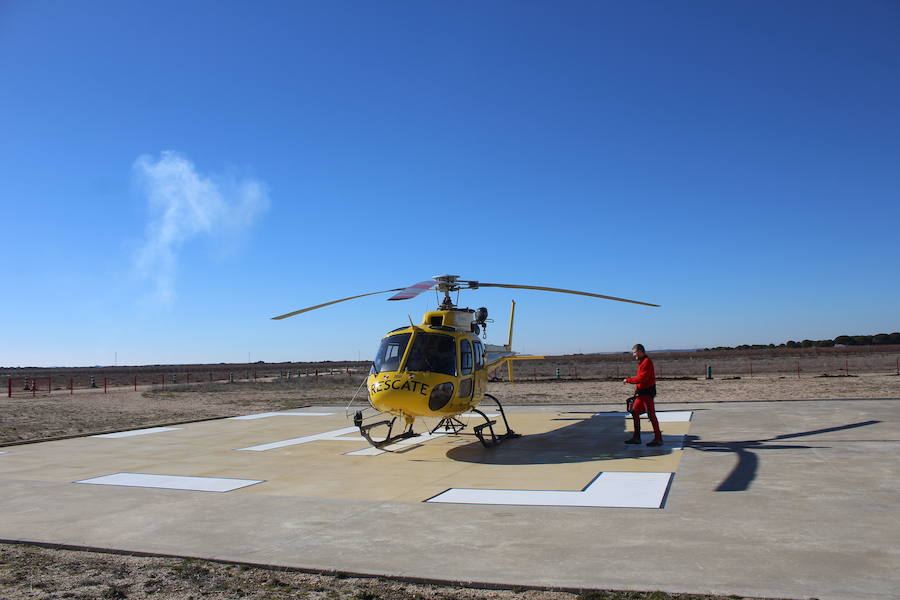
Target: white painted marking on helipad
608,490
172,482
283,413
124,434
674,416
3,452
471,415
328,435
372,451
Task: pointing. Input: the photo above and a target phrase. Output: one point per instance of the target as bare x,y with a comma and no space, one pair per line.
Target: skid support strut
489,425
450,424
388,439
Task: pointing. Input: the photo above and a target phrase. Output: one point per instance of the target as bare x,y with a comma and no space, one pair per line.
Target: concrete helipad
790,499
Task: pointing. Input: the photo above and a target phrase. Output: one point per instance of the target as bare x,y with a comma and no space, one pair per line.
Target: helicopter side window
465,357
390,352
432,352
479,355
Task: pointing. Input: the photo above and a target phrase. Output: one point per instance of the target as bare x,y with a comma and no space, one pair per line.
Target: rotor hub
447,284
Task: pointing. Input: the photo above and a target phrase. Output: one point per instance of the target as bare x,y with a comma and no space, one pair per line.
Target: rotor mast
447,284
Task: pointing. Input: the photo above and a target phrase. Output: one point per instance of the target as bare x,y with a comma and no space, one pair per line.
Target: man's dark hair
639,347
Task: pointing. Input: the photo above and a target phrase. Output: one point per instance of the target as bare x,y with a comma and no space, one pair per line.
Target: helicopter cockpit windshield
432,352
390,352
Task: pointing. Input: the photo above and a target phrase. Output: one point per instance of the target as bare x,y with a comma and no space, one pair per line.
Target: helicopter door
480,372
465,368
479,355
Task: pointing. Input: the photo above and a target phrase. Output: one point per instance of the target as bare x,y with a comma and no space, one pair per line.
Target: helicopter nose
396,387
409,394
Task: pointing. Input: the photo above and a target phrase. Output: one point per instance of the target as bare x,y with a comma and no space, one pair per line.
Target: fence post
49,386
9,385
798,369
135,383
104,384
71,385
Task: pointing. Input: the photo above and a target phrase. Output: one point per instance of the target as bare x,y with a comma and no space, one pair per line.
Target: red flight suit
646,377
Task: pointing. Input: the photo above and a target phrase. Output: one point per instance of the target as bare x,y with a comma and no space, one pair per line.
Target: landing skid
388,439
485,432
488,424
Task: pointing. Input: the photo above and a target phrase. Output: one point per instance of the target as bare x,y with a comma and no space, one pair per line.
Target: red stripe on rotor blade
413,290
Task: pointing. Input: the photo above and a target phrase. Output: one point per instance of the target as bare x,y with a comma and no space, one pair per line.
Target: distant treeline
880,339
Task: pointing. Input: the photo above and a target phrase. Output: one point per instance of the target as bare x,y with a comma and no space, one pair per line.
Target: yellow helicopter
439,368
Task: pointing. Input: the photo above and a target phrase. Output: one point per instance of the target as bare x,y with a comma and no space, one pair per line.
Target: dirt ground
38,572
92,411
28,572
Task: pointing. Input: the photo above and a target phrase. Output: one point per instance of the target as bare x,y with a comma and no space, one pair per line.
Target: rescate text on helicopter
438,368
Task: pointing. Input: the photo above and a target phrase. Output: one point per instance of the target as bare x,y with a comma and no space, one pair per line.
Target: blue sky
173,174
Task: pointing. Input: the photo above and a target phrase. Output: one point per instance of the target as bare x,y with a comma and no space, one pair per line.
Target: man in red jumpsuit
645,380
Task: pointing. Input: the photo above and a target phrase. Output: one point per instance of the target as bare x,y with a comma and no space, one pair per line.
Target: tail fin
509,363
512,316
497,355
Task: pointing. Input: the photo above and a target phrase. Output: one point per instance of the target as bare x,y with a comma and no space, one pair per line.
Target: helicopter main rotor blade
414,290
303,310
550,289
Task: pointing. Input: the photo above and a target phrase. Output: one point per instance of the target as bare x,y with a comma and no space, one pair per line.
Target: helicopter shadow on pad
596,438
748,461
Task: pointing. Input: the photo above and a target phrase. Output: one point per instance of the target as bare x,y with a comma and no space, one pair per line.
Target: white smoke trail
184,205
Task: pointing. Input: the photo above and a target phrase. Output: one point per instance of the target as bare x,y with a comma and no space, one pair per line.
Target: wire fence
75,381
667,366
806,363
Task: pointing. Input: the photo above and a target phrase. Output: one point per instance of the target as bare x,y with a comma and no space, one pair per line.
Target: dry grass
28,572
583,379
